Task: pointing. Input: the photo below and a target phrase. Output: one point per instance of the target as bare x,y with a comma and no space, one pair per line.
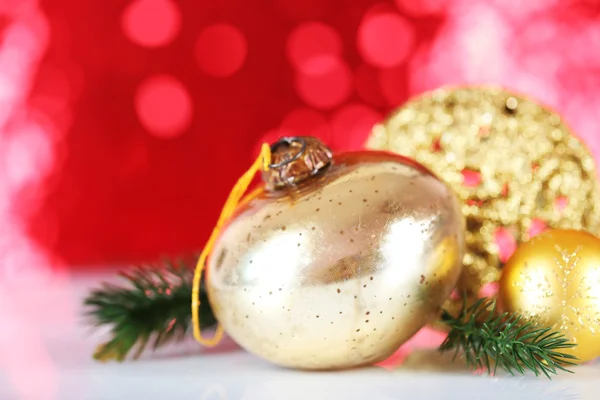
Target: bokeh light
151,23
506,242
489,290
423,8
327,87
471,178
472,47
537,226
378,9
77,155
221,50
290,64
29,156
164,106
352,124
313,46
385,39
306,122
524,12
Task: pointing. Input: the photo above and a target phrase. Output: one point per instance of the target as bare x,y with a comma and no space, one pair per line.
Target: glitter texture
513,162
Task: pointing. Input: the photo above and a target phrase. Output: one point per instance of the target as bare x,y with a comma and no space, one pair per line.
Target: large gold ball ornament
554,280
336,260
513,162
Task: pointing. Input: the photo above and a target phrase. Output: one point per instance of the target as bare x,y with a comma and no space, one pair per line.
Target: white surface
45,355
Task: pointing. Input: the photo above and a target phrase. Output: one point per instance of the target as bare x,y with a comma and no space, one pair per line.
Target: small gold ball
554,281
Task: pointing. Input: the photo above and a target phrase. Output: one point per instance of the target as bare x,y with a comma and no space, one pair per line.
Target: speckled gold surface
554,280
340,271
523,156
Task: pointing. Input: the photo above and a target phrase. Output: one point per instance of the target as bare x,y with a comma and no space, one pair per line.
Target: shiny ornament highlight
554,280
335,260
513,162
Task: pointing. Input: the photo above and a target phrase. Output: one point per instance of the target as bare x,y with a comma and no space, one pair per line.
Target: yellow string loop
262,163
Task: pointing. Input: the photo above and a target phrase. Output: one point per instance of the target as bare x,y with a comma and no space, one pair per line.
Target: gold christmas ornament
512,162
335,260
554,280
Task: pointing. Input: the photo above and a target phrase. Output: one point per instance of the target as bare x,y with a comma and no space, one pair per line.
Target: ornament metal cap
294,159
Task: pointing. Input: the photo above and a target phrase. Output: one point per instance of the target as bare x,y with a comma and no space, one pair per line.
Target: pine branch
490,340
153,308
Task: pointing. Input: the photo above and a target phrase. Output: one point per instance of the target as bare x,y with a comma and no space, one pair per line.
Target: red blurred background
124,123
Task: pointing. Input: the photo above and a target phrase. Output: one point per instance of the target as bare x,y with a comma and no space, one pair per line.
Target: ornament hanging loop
288,141
263,162
295,160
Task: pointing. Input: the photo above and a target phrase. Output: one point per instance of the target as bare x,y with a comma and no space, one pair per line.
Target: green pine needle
490,340
153,308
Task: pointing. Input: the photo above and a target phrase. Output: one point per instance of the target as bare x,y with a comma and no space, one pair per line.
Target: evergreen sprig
152,308
490,340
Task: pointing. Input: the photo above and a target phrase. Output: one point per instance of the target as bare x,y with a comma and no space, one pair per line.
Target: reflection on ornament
513,162
554,279
336,260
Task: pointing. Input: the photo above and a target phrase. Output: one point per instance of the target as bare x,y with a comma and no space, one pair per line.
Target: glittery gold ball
512,161
554,280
